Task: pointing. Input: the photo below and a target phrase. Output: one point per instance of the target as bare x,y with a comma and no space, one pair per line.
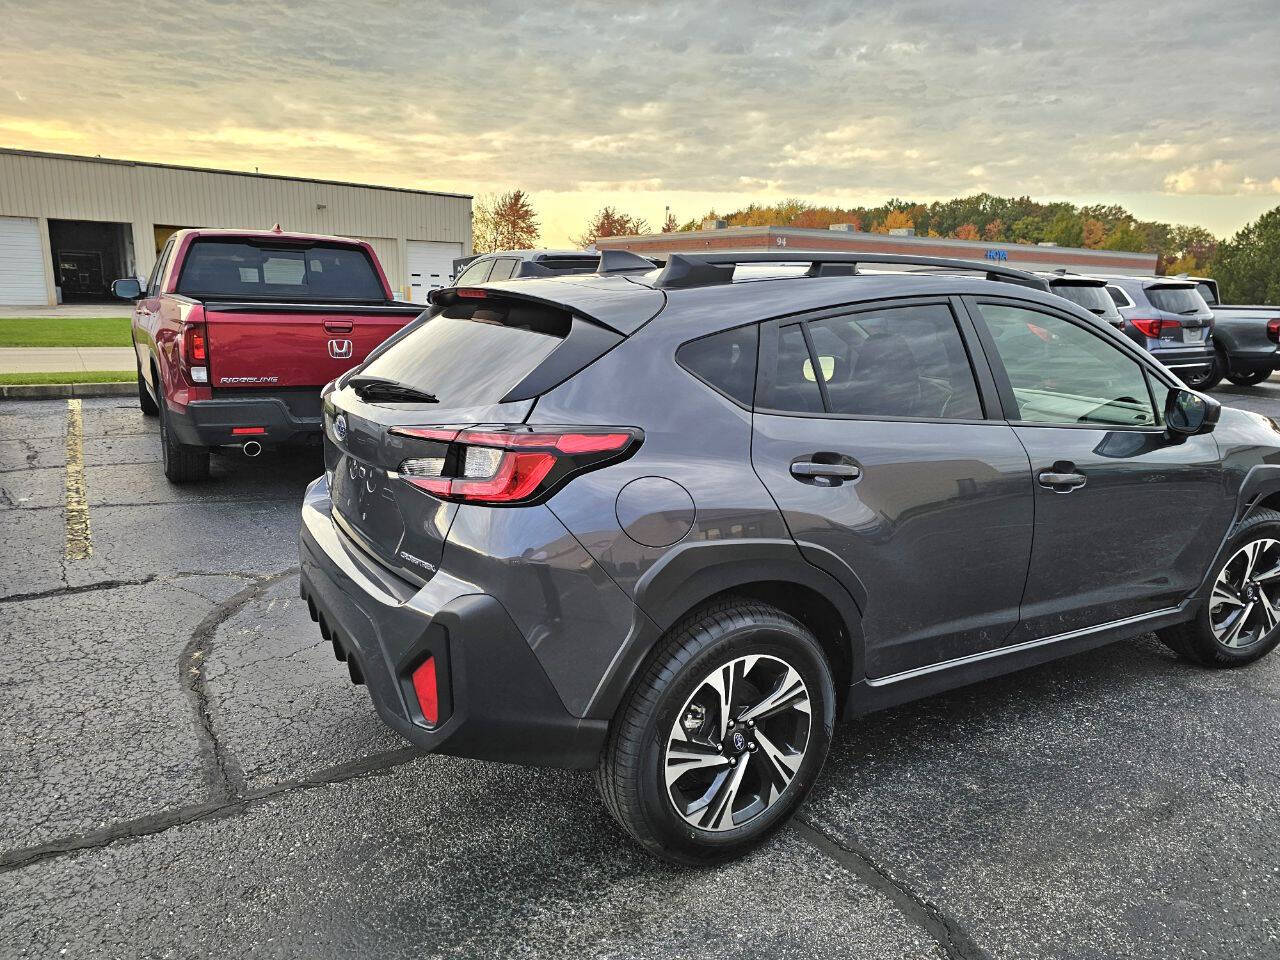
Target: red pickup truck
236,331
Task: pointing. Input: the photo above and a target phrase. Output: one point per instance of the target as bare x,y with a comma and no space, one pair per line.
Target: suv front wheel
722,736
1239,622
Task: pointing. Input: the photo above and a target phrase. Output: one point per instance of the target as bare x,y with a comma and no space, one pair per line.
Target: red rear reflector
469,294
1273,330
244,431
424,685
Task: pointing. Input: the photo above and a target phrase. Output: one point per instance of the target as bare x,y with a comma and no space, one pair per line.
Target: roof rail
705,269
622,261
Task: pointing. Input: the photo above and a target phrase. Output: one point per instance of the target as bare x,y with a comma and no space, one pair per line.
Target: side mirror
127,289
1187,414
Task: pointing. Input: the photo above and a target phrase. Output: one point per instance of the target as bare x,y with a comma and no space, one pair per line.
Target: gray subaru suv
670,526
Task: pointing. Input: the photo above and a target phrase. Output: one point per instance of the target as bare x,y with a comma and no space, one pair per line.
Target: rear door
1126,520
872,436
468,358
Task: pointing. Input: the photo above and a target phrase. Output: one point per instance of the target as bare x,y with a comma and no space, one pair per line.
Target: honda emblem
340,349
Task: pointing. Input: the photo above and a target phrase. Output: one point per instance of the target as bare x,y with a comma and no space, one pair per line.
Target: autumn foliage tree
504,222
967,231
609,222
670,225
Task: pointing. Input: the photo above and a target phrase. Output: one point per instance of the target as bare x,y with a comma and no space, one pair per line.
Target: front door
1127,520
871,435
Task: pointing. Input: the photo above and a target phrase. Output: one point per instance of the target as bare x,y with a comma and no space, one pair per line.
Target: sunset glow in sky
1174,114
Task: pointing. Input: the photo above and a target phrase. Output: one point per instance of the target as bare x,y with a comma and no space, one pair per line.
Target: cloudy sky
1171,109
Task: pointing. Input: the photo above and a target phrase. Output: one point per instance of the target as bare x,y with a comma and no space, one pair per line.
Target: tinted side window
896,362
503,269
1119,296
475,273
790,383
1062,373
726,360
162,262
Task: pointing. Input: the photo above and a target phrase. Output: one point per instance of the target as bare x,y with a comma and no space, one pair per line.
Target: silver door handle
1061,482
833,471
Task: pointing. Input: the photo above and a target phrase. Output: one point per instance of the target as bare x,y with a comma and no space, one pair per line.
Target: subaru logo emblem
739,741
340,427
340,349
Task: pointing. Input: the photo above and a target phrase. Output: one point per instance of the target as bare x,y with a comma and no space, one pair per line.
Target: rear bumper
1192,360
496,702
211,423
1249,361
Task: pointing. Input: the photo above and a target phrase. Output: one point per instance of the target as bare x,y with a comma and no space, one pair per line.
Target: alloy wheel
737,743
1245,603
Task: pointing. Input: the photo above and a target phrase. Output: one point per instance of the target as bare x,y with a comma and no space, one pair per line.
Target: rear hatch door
465,362
1182,303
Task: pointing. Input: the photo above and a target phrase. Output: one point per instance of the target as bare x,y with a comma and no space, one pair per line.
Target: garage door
430,265
21,263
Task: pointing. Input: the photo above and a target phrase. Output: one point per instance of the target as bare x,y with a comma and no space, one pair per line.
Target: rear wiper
368,388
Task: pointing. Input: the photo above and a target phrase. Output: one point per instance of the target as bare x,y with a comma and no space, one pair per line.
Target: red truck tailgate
264,345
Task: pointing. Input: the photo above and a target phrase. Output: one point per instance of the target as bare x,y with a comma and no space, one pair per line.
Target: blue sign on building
997,254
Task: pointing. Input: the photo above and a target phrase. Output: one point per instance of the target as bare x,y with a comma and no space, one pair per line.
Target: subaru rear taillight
1154,327
507,465
195,350
1273,330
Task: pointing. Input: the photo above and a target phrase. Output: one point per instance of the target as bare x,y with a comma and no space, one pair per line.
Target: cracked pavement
185,770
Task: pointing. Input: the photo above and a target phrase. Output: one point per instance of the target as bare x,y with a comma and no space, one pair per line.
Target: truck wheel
149,408
722,735
1250,379
1238,624
182,463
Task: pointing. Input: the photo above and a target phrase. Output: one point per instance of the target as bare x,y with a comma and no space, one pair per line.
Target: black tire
1211,377
182,463
1250,379
148,405
1196,639
631,778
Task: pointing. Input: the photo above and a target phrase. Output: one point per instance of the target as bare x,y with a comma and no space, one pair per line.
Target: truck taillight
508,465
1273,330
1154,327
195,350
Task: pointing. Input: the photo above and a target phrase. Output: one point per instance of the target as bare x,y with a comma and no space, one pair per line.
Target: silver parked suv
670,525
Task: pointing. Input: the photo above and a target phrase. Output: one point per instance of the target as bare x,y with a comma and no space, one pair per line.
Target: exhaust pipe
251,448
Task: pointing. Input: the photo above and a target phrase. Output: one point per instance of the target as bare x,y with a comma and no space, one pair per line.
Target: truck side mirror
1187,413
127,289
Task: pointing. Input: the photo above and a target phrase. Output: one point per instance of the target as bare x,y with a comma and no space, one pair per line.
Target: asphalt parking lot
185,770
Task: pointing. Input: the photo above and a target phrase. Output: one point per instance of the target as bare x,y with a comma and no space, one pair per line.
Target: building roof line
15,151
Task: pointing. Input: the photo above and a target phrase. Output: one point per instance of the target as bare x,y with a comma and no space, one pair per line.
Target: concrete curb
61,391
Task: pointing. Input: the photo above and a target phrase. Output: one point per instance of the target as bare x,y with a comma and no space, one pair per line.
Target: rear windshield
474,352
249,270
1177,299
1093,297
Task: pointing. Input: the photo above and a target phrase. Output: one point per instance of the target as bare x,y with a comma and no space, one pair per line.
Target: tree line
1247,266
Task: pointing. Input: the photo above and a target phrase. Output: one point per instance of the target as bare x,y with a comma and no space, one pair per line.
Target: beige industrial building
70,225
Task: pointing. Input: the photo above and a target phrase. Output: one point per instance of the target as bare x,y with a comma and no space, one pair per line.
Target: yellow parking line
79,540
